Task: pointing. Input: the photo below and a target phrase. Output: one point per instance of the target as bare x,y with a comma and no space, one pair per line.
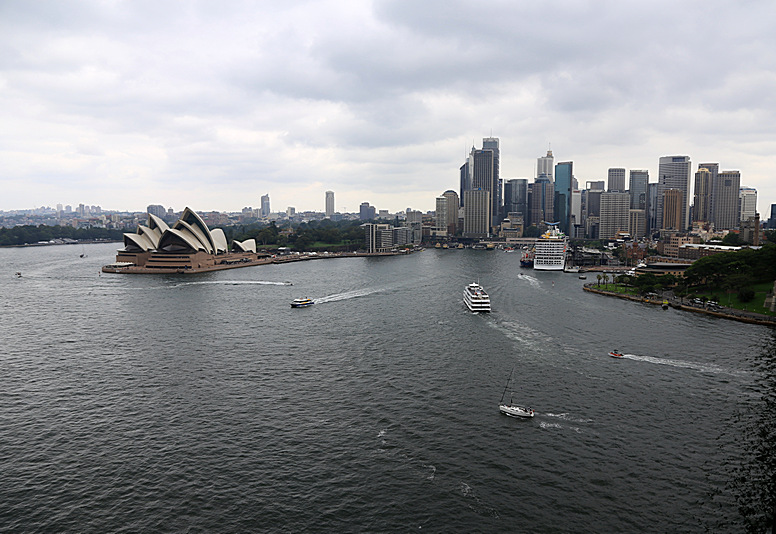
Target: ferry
475,298
550,250
302,303
527,259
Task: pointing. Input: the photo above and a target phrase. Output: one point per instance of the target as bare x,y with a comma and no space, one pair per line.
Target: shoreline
739,315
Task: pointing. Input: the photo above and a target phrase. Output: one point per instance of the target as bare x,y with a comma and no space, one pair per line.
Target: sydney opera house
187,246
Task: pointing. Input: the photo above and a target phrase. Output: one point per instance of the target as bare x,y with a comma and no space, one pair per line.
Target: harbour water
205,403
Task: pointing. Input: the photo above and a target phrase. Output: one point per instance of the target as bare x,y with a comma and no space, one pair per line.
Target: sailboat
513,410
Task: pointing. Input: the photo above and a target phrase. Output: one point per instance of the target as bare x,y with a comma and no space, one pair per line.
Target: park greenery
333,236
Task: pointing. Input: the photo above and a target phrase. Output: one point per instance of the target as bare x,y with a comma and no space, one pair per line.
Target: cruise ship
550,250
476,299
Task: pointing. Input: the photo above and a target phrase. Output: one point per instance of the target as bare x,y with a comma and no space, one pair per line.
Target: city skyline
125,105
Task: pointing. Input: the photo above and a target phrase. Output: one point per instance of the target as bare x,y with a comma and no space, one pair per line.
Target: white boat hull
515,411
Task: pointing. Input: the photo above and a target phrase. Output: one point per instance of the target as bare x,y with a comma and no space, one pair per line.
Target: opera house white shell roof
188,235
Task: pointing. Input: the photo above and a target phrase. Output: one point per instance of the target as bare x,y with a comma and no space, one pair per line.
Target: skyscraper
674,173
542,196
748,202
673,205
616,179
638,189
366,212
492,144
440,214
546,165
329,203
453,204
476,219
516,197
702,197
615,214
725,201
482,177
465,180
265,205
562,200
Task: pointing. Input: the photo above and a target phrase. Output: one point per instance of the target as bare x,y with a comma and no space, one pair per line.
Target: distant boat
582,277
513,410
302,303
616,354
18,274
527,259
665,305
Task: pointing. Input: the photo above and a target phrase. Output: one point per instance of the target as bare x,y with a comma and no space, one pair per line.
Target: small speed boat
302,303
616,354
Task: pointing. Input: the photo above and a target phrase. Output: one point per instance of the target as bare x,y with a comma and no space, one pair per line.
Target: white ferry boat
302,303
550,250
476,299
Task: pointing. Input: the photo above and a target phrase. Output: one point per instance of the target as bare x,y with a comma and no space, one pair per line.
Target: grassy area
617,288
731,299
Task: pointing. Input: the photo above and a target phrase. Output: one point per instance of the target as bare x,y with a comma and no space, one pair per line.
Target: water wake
703,367
346,295
232,283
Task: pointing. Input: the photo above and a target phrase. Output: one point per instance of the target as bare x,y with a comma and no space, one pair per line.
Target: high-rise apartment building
701,211
725,201
265,205
564,173
329,203
366,212
637,188
748,202
674,173
616,180
546,165
440,214
157,210
615,214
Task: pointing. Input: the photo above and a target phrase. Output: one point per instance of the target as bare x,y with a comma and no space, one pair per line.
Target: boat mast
505,387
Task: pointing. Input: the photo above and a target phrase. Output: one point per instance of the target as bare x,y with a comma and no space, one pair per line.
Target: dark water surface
204,403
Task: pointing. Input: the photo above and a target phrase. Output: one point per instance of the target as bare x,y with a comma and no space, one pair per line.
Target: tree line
28,234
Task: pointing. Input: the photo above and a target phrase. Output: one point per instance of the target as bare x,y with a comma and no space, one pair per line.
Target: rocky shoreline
727,313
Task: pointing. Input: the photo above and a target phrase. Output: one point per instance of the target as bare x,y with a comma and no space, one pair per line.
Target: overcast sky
213,104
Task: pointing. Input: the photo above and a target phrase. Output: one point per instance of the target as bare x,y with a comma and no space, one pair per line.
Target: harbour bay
205,403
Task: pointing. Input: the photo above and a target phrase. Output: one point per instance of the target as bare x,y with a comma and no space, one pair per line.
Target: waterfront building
265,211
674,173
546,165
637,188
329,203
725,200
476,219
440,216
747,202
673,204
615,214
702,197
616,180
378,237
564,173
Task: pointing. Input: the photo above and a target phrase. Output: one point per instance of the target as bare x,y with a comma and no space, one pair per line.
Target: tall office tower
748,202
453,204
476,218
564,173
724,200
496,200
542,200
673,205
615,214
465,179
440,215
593,203
329,203
482,177
595,185
651,208
265,205
576,210
616,179
637,188
701,211
674,173
546,165
772,218
637,227
516,197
